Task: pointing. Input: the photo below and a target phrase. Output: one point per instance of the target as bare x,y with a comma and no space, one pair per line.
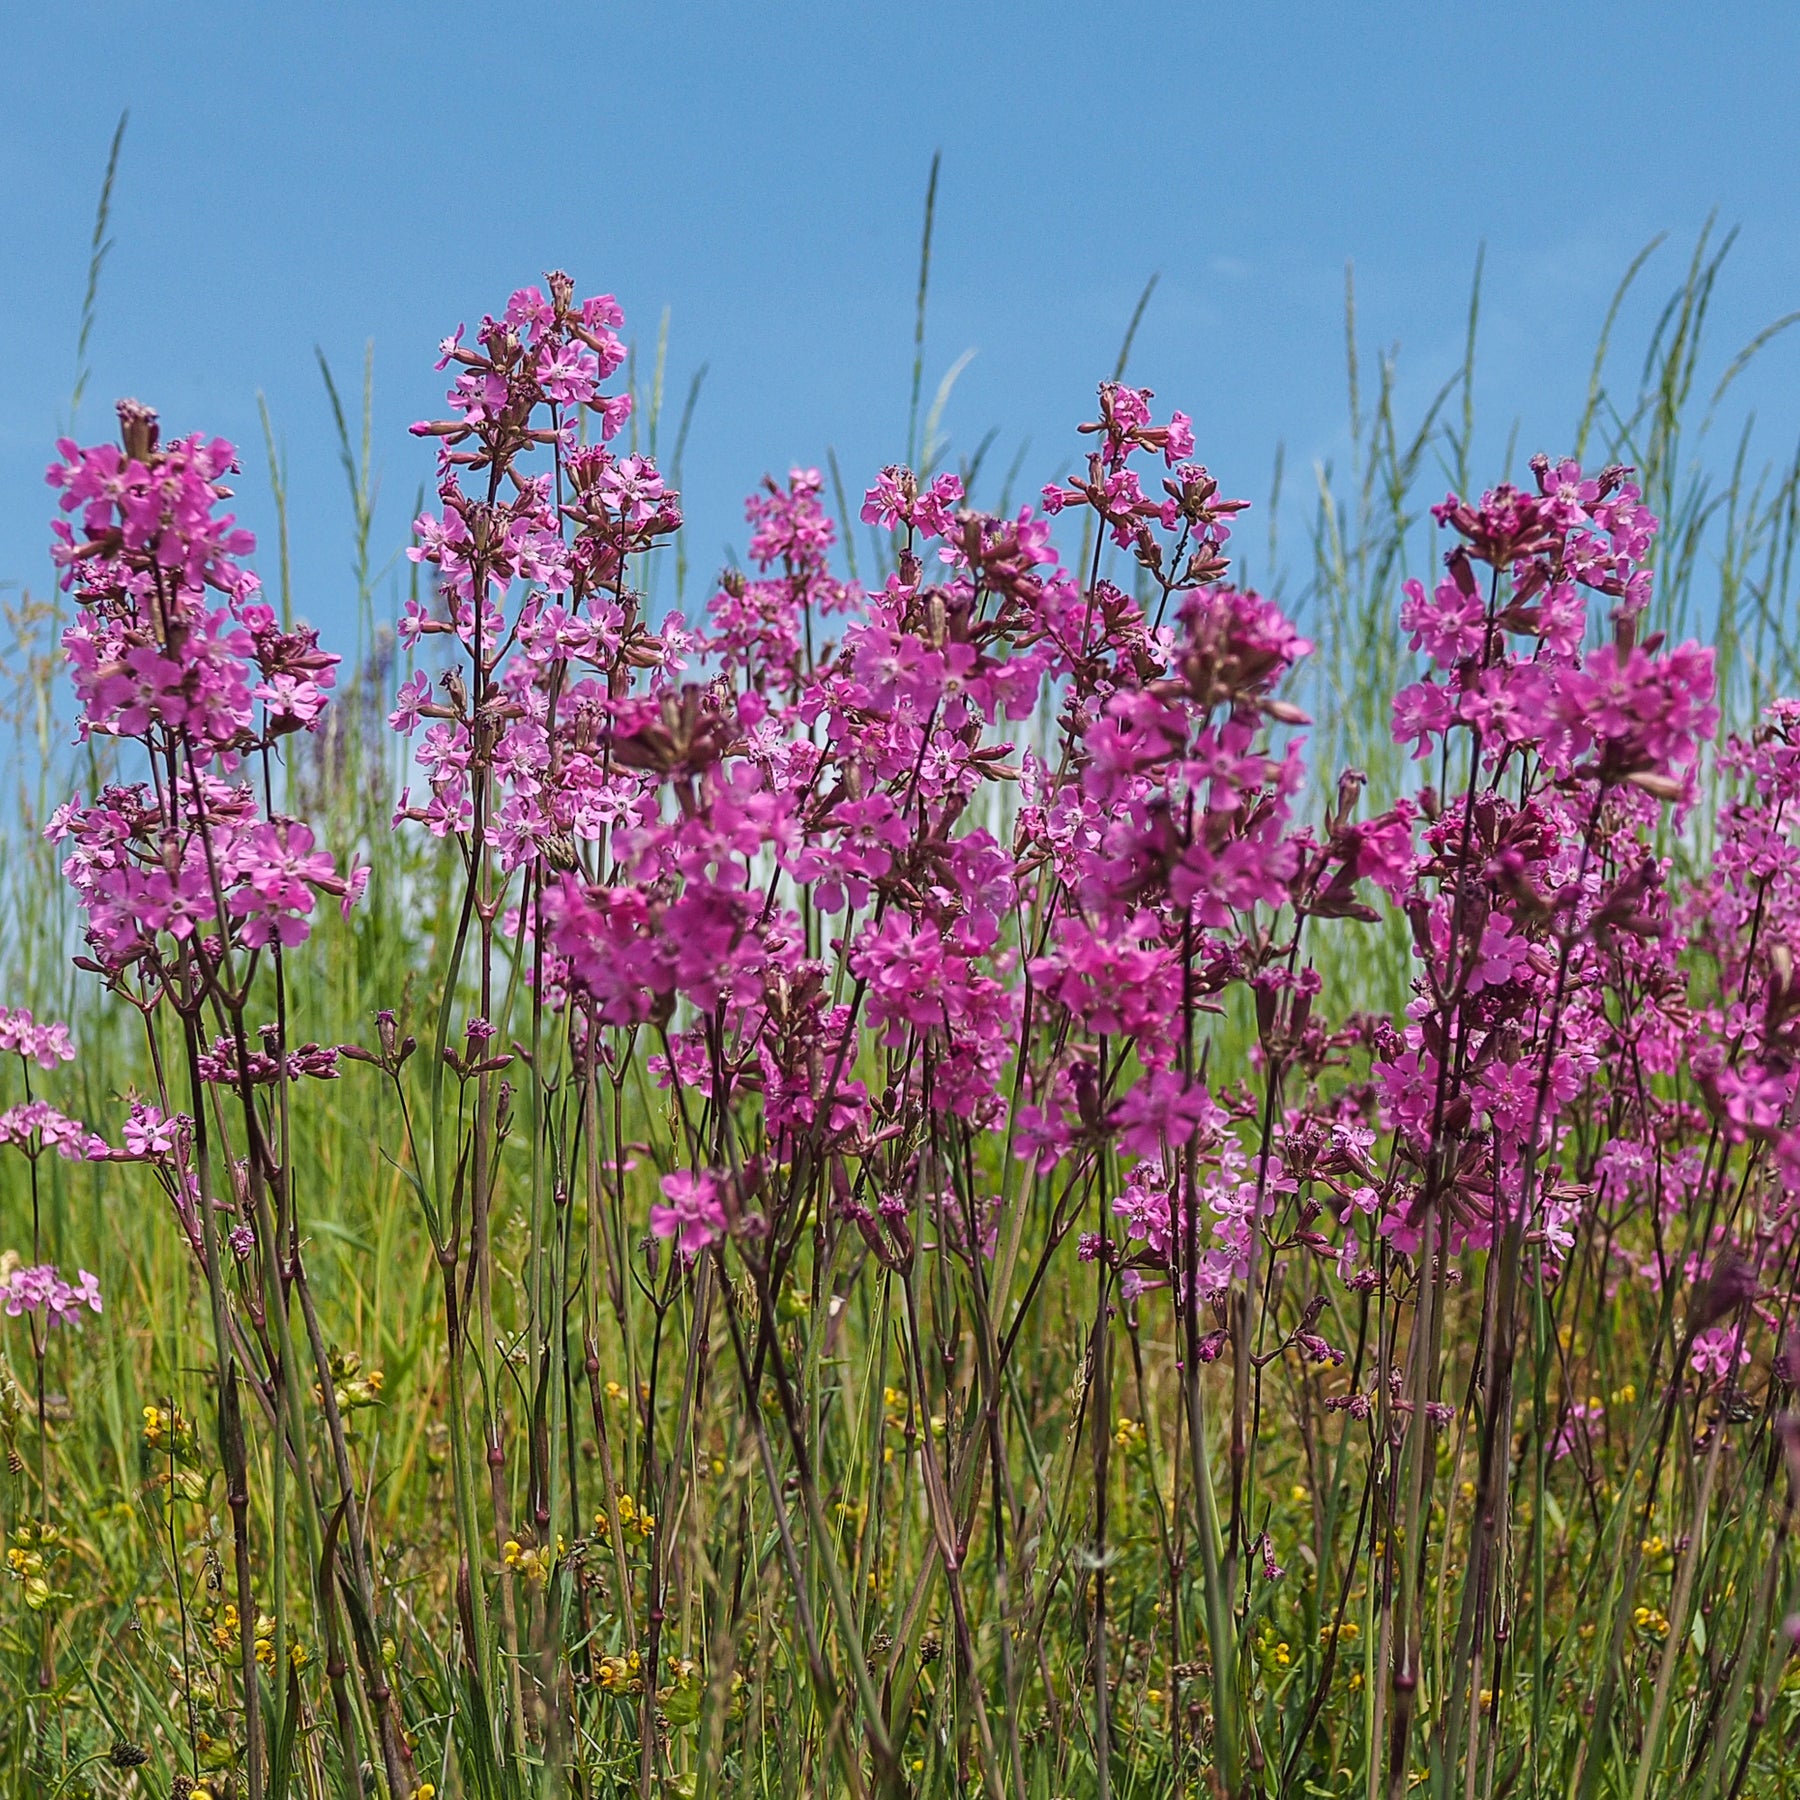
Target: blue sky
327,174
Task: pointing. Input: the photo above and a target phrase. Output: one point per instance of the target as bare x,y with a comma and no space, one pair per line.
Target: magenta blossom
42,1291
693,1216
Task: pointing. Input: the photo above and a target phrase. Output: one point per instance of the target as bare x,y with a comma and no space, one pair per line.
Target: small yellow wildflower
633,1520
168,1429
533,1561
620,1674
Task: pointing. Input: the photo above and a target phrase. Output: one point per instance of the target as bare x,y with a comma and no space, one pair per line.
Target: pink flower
1422,712
1569,496
46,1045
568,373
42,1290
693,1216
1716,1350
415,692
36,1126
148,1134
1448,627
1503,955
1164,1108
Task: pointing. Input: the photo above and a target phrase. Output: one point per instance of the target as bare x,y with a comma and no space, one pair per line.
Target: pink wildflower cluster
984,906
530,582
1509,666
48,1046
33,1125
174,649
788,869
44,1294
759,623
188,877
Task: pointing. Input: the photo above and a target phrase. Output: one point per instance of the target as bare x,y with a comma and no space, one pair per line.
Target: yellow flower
620,1674
632,1519
533,1561
168,1429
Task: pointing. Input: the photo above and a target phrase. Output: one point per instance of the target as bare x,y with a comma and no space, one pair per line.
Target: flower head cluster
1513,671
760,623
47,1045
172,648
530,564
42,1293
806,852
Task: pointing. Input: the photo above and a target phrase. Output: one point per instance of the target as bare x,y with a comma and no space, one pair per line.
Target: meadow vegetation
973,1159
